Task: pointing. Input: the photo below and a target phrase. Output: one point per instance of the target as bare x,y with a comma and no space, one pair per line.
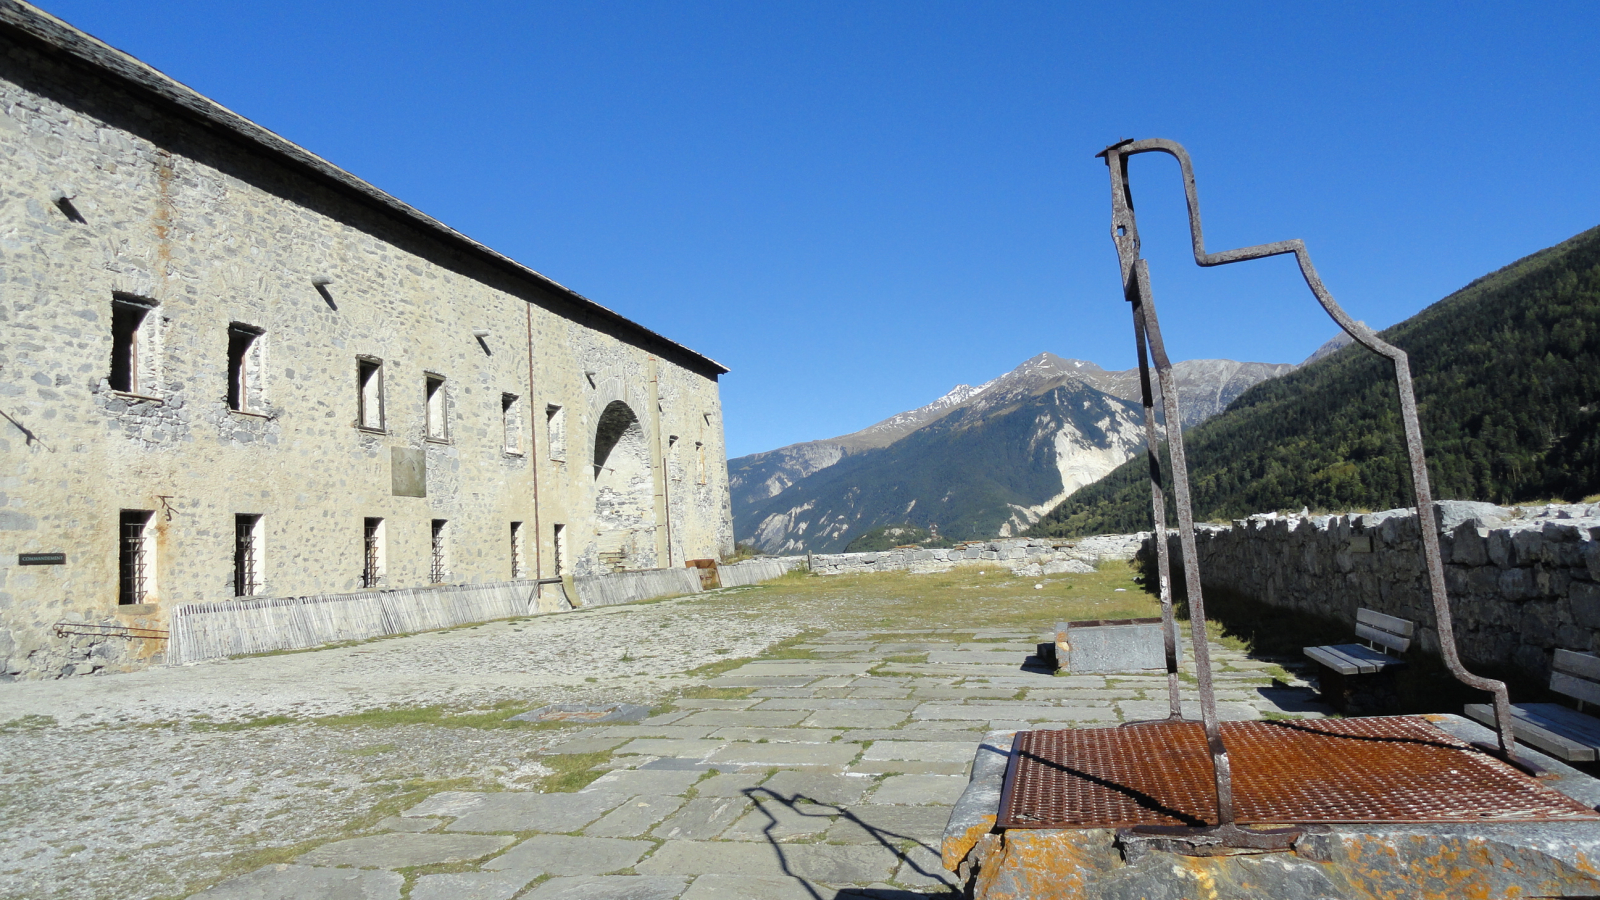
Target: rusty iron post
1136,290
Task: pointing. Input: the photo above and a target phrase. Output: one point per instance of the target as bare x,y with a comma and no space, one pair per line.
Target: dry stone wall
1522,581
1024,557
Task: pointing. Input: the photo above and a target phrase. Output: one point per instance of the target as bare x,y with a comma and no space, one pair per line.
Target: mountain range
1507,379
979,462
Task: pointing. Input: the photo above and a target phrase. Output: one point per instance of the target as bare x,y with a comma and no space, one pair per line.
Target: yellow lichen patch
956,848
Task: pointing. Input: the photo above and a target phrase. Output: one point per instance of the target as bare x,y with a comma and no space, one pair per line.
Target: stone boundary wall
1020,556
202,631
631,587
1522,581
755,571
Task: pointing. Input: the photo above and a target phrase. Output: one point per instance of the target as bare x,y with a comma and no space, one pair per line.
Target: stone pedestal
1501,859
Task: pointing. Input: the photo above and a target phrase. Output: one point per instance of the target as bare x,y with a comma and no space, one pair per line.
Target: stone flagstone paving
832,778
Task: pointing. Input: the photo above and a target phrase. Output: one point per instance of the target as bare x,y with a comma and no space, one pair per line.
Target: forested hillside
1507,374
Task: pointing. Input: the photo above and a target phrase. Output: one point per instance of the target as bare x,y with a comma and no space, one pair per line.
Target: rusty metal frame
1147,332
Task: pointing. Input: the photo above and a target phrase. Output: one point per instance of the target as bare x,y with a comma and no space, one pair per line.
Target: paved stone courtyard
830,775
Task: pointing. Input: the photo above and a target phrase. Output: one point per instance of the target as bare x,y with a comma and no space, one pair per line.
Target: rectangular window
372,552
700,462
369,396
247,555
129,316
560,549
674,463
519,565
135,557
439,564
511,423
434,401
555,426
241,341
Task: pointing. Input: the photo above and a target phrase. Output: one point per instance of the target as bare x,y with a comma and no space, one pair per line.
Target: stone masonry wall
107,194
1024,557
1522,581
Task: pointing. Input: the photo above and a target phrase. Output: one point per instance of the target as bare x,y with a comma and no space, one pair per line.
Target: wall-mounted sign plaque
41,559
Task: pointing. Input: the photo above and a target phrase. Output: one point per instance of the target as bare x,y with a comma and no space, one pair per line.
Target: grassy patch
496,716
572,771
712,669
28,723
706,692
907,658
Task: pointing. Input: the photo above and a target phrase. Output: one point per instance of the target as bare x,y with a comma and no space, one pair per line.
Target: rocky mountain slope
978,462
1507,377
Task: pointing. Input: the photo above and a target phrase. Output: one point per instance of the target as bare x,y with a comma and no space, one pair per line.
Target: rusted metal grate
1392,769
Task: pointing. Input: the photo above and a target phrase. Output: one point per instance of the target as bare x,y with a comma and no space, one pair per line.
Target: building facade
229,369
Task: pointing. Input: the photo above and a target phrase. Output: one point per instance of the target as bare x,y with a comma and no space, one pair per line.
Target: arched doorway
623,499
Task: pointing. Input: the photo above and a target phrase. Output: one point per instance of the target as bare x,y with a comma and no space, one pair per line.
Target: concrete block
1114,648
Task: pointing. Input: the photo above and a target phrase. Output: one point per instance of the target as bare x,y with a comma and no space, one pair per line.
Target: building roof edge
44,28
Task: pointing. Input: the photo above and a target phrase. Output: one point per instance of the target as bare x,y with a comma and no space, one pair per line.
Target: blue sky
856,206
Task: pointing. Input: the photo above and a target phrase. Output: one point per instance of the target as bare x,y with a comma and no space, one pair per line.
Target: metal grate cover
1391,769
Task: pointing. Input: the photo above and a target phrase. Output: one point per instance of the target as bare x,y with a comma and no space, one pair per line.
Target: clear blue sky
856,206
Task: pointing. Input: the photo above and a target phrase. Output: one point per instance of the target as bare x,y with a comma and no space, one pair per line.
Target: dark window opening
434,403
519,568
369,393
127,318
133,557
438,569
240,339
372,553
246,555
560,548
511,424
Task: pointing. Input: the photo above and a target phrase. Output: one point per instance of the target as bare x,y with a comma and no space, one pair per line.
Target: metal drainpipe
533,455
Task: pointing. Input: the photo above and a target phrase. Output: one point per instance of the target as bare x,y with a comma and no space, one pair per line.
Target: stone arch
624,494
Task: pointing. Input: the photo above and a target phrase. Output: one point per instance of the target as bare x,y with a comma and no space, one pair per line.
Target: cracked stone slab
291,882
815,862
778,735
643,781
691,748
729,784
818,787
399,849
869,824
919,790
741,754
468,886
514,811
702,818
611,887
720,718
855,718
929,751
560,854
635,817
771,820
741,887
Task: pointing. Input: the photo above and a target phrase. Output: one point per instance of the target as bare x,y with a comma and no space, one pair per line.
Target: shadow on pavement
804,806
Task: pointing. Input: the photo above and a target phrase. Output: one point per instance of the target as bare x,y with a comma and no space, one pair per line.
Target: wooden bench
1566,734
1357,679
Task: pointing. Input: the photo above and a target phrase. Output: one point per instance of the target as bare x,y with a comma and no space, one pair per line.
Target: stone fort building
230,369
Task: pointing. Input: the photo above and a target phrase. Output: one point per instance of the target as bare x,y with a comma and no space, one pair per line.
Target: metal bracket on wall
1147,333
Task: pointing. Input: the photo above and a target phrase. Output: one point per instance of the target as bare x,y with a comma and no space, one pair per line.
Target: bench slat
1566,720
1580,664
1391,624
1537,731
1352,659
1372,659
1337,662
1587,691
1384,638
